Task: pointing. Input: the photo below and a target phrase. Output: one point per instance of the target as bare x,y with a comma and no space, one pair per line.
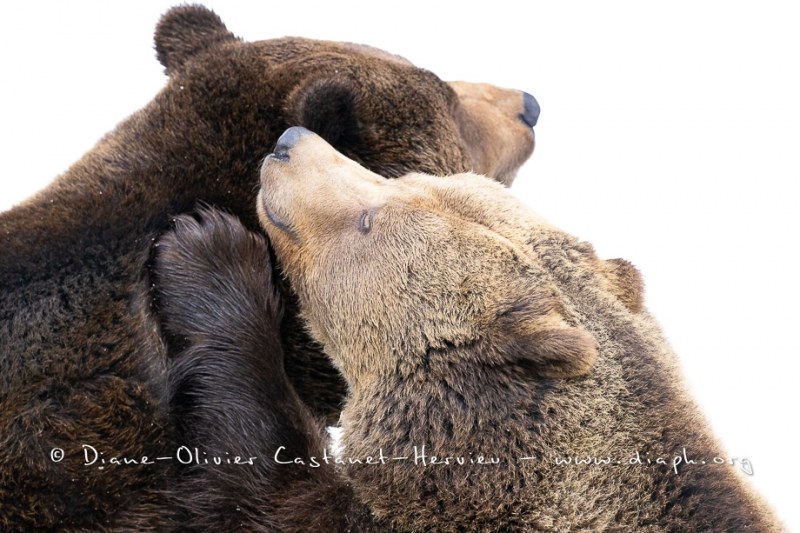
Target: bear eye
365,221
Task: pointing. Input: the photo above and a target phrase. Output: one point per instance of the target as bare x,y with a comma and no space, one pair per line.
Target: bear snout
530,113
287,141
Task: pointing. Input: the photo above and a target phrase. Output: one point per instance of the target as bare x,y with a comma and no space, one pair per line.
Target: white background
668,136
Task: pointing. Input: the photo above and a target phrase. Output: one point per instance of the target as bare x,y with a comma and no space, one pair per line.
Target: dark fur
217,295
81,355
220,304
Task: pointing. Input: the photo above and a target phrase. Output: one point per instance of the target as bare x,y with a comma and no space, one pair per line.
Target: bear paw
213,282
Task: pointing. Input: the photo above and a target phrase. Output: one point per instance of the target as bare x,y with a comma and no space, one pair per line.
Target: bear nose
530,113
287,141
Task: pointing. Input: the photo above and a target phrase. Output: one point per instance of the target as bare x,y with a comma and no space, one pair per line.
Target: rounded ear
533,336
625,282
185,30
559,352
329,108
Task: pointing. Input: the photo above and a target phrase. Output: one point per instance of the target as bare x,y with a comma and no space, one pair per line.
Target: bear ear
625,282
555,353
185,30
329,108
533,336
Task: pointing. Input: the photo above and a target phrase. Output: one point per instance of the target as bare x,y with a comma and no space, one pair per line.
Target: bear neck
437,437
447,413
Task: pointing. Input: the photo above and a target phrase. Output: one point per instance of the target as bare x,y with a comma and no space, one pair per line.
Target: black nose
287,141
530,114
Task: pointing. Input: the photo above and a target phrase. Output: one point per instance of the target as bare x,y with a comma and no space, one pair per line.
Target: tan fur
491,113
625,282
465,323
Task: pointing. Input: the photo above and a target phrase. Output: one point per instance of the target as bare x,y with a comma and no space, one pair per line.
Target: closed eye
365,221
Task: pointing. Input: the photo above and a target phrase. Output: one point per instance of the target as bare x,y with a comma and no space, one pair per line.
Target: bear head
372,106
435,298
417,265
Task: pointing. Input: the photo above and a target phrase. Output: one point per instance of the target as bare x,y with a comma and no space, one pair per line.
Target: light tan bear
489,357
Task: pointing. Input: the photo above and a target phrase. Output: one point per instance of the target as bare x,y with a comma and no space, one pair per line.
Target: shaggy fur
82,359
466,324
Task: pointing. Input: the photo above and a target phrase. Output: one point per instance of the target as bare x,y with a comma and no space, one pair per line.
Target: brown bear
501,377
82,356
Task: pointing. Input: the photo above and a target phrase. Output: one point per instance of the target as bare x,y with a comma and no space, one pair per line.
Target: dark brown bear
82,358
483,349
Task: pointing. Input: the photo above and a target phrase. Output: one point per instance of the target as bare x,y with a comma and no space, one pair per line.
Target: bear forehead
475,202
